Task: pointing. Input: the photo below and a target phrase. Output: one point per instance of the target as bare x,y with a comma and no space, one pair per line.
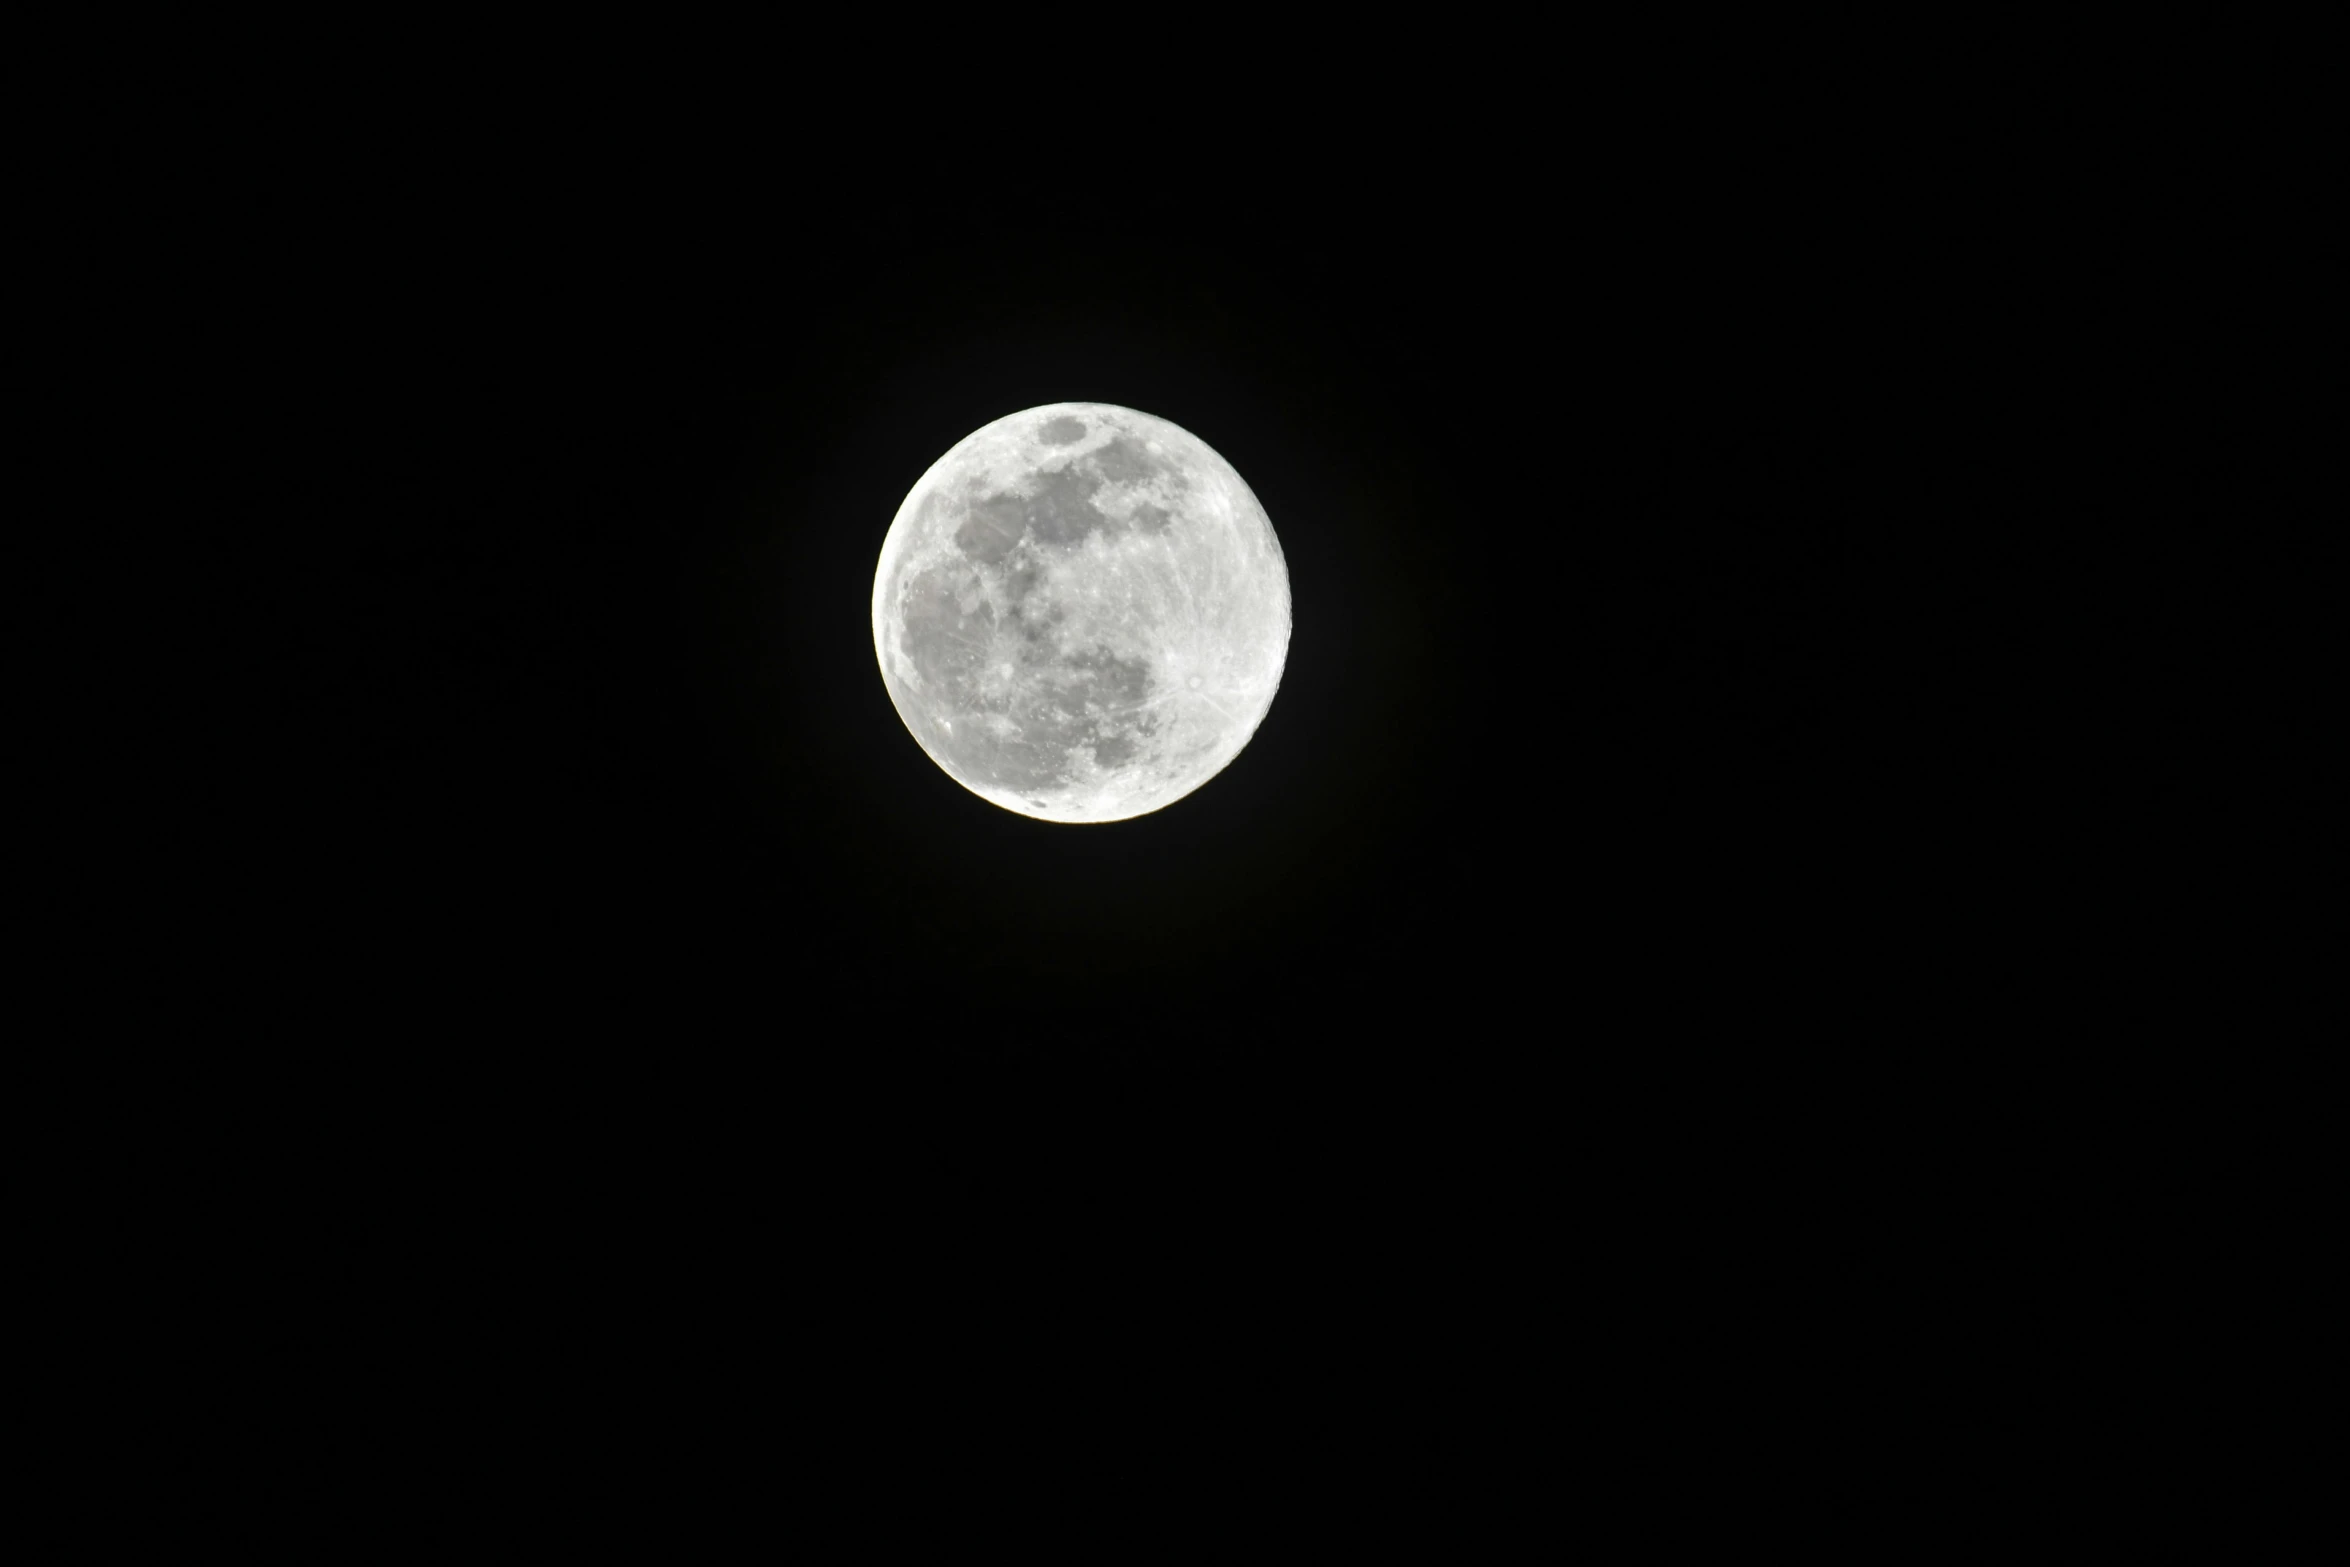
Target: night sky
1660,512
1619,573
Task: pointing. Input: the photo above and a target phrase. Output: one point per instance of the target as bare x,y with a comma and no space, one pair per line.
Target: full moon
1081,613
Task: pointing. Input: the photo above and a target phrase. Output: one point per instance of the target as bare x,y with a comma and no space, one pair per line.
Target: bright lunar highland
1081,613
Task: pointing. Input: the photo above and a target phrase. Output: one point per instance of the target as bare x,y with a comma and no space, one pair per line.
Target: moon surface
1081,613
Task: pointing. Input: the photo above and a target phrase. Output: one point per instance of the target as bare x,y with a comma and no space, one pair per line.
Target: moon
1081,613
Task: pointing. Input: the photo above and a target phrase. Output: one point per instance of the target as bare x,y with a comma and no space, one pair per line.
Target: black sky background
1662,494
1676,929
1693,956
1606,545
